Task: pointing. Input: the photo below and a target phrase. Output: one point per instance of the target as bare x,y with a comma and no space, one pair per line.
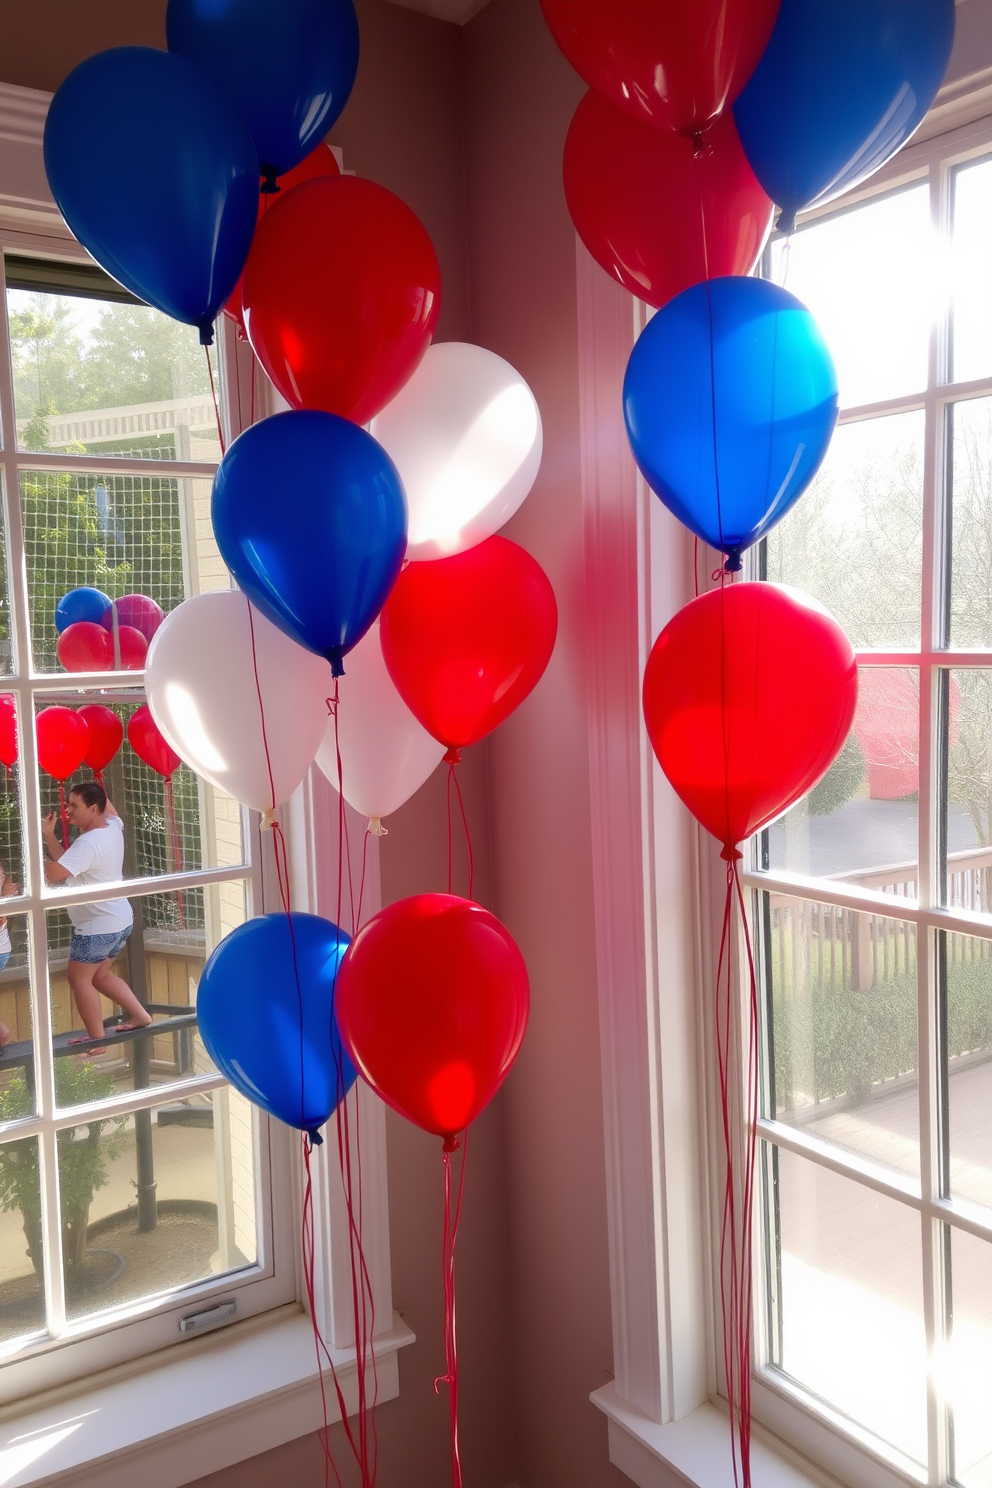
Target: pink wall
520,98
467,125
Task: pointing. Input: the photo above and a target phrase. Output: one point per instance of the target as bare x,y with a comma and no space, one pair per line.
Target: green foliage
82,1158
852,1040
132,355
841,781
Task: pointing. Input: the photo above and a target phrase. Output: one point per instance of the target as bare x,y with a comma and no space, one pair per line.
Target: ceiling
458,11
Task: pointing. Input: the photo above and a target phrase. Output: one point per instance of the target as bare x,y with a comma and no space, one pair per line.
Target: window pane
17,1088
157,1200
861,822
970,430
972,289
868,277
22,1293
850,1301
119,534
840,990
170,826
969,790
160,962
968,1379
100,378
967,968
855,540
6,647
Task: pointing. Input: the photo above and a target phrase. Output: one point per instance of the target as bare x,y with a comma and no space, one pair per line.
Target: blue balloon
310,517
81,604
265,1006
157,176
730,400
288,66
842,84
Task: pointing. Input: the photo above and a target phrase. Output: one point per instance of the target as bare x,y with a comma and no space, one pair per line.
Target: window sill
199,1410
695,1450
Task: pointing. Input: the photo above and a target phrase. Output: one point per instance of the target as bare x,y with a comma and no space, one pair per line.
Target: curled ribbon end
731,854
453,756
268,819
376,829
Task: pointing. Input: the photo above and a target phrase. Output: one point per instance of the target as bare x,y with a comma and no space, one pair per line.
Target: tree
82,1160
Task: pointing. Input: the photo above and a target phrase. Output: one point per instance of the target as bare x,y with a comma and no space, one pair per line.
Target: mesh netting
121,534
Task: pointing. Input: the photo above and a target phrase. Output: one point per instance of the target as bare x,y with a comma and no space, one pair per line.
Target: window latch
200,1322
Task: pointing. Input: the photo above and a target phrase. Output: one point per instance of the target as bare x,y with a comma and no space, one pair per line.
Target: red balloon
341,295
63,737
8,730
639,198
749,694
674,63
319,162
86,647
148,744
106,735
133,647
465,639
432,1000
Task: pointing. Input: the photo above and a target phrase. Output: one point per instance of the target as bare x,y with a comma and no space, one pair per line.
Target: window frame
140,1337
659,887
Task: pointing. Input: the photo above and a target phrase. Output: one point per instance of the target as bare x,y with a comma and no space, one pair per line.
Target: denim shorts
95,948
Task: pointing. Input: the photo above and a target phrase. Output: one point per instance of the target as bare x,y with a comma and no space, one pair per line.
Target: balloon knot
731,854
453,756
268,819
376,829
735,561
337,663
451,1144
442,1379
206,332
696,135
786,221
269,186
316,1140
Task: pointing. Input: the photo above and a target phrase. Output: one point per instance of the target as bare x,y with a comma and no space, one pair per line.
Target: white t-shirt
97,857
5,946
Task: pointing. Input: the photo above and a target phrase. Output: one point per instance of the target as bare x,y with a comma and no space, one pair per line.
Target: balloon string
452,1219
308,1246
213,394
709,306
695,565
361,886
468,836
738,1201
65,818
281,857
363,1303
175,850
451,769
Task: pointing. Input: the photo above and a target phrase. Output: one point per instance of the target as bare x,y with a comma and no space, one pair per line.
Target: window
135,1187
873,897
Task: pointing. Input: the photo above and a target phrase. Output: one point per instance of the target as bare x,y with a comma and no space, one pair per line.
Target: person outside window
99,931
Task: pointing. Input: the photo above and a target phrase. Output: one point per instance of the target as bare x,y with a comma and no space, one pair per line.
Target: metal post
141,1046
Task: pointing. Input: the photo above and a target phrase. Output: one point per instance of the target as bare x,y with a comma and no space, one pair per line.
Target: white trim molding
637,574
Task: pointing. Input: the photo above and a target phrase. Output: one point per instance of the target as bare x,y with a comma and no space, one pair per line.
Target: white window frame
253,1384
659,887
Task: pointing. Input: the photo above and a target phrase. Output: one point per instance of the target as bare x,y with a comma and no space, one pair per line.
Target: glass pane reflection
157,1200
841,993
855,540
851,1301
22,1294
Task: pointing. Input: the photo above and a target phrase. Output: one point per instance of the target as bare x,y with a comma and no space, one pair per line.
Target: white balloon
386,754
202,691
465,434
